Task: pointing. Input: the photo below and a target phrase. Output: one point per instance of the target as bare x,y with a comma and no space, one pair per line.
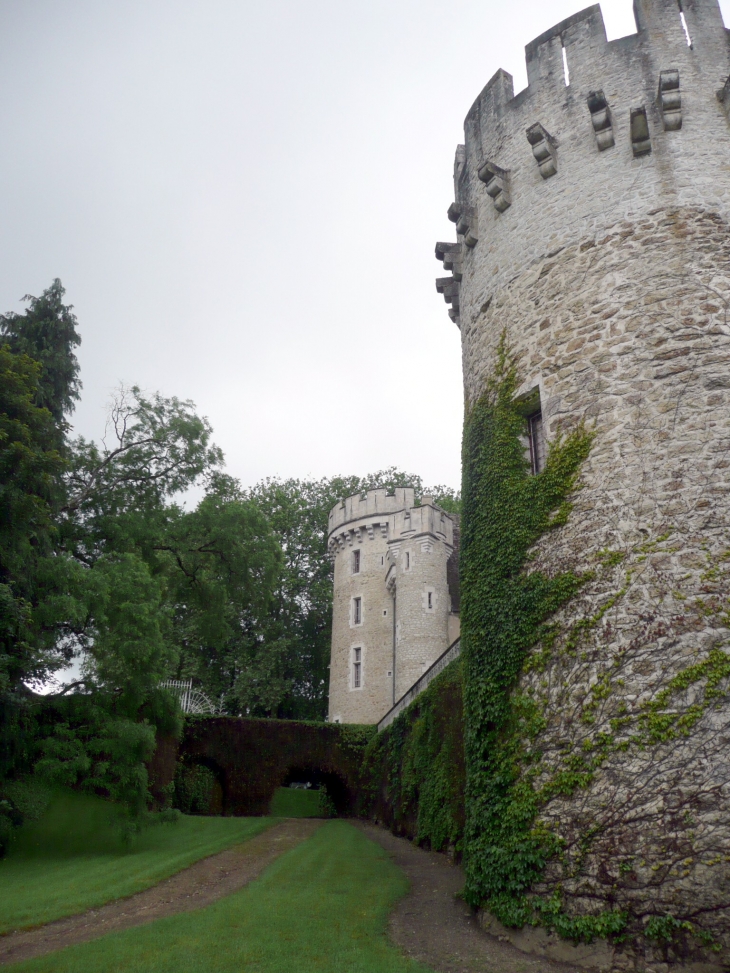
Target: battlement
367,504
573,51
601,126
393,514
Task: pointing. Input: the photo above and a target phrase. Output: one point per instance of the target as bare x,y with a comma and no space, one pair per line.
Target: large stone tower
592,215
392,612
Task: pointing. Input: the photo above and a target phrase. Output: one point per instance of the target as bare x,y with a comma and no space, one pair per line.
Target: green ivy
415,767
505,611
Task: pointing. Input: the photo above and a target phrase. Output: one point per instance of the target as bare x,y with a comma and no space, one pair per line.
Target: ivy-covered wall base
413,775
596,658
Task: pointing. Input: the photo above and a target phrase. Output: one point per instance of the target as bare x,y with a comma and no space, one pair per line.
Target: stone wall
593,232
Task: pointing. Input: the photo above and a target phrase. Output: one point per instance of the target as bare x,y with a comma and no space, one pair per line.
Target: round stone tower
592,215
392,613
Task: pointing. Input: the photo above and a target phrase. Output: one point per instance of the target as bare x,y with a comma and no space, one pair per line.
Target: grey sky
242,200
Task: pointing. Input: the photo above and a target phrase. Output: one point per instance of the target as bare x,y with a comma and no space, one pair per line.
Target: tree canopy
101,561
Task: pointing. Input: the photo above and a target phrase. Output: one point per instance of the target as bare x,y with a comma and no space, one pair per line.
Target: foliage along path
195,887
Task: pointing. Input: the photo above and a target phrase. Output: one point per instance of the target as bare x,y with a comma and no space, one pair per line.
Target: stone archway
251,758
332,781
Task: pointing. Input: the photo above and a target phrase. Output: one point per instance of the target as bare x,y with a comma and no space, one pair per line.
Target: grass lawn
73,858
320,908
296,802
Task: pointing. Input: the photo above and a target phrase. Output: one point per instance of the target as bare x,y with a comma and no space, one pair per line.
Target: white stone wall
611,280
403,555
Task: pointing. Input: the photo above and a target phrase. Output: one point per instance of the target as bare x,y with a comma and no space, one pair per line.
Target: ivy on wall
414,770
505,612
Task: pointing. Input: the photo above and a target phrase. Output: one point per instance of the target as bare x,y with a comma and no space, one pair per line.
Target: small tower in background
394,612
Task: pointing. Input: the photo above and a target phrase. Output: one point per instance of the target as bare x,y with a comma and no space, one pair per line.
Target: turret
392,609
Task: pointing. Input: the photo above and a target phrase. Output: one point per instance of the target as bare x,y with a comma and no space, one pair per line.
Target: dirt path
437,929
193,888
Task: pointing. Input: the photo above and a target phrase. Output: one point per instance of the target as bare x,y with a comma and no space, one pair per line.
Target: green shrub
197,790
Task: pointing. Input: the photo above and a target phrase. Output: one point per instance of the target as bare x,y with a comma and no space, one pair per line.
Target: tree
47,334
35,594
83,561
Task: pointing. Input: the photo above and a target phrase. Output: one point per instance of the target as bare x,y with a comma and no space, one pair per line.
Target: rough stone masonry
591,215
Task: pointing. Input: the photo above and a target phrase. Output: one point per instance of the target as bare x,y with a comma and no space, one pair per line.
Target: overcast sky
241,200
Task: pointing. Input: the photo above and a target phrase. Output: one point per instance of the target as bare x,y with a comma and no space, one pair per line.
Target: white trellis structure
191,700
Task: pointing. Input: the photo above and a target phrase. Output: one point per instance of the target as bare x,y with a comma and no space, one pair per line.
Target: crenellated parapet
390,516
603,129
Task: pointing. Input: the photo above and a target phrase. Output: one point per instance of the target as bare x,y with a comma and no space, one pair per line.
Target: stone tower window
357,611
408,560
428,600
356,562
357,668
536,435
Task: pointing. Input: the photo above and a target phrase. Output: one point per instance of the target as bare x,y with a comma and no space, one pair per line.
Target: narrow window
430,599
408,560
356,610
356,562
685,28
356,668
566,69
537,441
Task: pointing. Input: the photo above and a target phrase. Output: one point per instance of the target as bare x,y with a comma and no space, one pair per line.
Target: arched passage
250,758
322,779
200,786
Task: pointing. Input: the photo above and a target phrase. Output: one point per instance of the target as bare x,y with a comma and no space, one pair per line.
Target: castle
592,216
395,608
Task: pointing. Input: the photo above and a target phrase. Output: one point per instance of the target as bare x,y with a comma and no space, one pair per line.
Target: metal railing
191,700
453,652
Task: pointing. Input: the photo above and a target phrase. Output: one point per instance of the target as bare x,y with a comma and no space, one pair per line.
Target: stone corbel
465,218
601,120
449,287
450,254
371,531
544,148
640,140
384,529
497,182
670,100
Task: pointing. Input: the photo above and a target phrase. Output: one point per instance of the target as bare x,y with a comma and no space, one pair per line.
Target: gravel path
434,927
195,887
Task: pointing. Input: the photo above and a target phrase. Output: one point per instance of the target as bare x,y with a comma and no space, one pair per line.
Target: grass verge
73,858
320,908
